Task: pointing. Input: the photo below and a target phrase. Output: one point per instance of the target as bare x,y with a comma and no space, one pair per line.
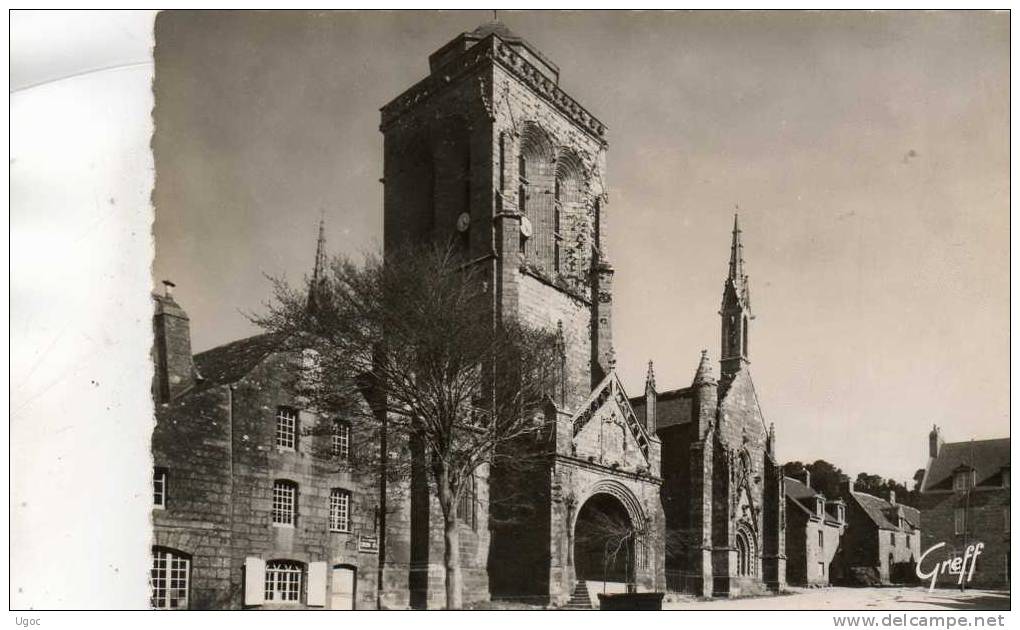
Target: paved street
838,598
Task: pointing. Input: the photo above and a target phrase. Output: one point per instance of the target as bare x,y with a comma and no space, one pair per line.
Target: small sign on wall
368,543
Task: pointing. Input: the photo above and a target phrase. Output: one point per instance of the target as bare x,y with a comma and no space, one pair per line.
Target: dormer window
820,507
963,479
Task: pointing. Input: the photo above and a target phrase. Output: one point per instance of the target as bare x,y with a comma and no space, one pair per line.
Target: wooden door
342,591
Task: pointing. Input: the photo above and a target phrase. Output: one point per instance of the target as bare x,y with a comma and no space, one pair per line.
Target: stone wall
218,448
191,442
988,513
807,563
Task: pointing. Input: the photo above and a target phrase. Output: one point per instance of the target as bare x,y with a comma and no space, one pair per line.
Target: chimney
892,497
934,442
803,476
174,366
846,485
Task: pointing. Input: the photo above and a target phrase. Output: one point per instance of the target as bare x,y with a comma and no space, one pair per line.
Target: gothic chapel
722,489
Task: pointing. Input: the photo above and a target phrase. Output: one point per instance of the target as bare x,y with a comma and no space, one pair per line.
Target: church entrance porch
604,542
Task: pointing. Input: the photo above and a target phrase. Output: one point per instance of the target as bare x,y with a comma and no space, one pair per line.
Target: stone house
814,529
722,491
964,500
882,541
256,502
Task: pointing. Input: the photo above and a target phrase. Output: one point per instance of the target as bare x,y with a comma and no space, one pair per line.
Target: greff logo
956,565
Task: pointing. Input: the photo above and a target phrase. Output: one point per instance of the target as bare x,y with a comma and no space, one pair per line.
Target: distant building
882,542
964,500
814,528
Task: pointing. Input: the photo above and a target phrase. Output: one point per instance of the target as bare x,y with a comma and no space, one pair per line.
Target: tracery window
466,511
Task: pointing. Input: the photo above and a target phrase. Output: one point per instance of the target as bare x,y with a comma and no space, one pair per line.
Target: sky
868,154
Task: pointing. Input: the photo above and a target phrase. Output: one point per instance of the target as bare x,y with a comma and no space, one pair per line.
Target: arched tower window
522,195
744,336
568,210
466,505
536,193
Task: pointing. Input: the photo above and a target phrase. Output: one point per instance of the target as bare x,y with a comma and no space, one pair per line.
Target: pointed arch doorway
604,541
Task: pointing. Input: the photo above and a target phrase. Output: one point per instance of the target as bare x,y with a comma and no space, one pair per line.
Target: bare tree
412,346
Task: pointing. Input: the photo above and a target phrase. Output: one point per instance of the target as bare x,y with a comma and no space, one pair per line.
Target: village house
964,500
814,531
882,541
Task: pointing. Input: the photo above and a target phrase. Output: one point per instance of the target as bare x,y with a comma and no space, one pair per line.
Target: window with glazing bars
339,510
159,479
286,428
168,580
284,502
283,581
341,440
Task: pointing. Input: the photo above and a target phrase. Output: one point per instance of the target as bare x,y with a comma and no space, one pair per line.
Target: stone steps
580,599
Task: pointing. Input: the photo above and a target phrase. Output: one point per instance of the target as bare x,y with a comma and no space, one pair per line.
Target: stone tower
735,311
488,154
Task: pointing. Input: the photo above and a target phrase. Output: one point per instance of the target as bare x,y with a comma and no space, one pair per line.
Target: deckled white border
79,312
81,250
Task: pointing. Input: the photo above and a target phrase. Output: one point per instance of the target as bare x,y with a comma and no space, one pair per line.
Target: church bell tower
489,154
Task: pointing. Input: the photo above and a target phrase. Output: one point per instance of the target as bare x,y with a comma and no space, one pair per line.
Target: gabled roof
802,495
611,390
233,361
986,457
880,511
796,489
912,515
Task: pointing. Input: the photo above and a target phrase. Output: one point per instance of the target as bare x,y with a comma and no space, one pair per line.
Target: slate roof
800,494
796,489
912,515
881,511
987,457
231,362
671,408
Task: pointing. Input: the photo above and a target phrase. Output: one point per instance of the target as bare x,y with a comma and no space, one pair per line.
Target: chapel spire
736,254
736,310
317,284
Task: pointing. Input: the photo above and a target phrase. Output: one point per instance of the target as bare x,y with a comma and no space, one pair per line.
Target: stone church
722,490
489,153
